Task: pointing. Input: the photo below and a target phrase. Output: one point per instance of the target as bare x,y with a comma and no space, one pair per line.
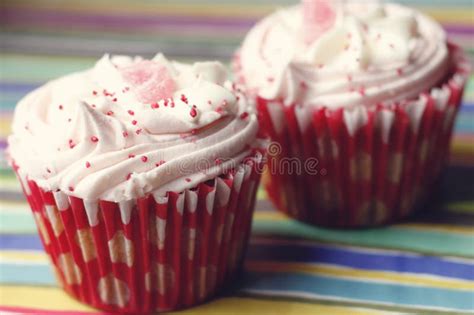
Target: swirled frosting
128,127
371,53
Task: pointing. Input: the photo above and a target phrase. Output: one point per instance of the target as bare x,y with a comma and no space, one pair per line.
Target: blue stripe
361,260
20,242
20,88
27,274
363,291
314,253
467,107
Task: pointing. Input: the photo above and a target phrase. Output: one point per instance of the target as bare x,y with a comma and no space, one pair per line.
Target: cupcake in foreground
142,176
367,93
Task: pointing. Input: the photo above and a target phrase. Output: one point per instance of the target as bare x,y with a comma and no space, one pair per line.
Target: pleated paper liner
374,165
149,254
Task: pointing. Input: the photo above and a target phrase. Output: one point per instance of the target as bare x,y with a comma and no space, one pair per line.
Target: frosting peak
357,53
129,126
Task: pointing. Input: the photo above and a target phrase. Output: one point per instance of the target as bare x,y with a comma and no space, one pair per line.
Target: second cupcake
360,100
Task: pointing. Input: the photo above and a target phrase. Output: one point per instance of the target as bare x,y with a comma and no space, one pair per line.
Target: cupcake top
129,126
343,53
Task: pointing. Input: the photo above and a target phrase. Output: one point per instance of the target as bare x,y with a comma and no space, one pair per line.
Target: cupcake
141,175
359,100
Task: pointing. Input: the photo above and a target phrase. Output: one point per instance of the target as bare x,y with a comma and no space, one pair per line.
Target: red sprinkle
131,112
94,139
144,159
115,99
303,85
244,115
88,164
106,93
94,93
130,156
362,91
134,122
193,112
61,107
110,113
160,163
399,71
129,175
155,105
188,179
71,188
48,170
138,131
71,144
209,102
218,161
93,106
184,98
125,134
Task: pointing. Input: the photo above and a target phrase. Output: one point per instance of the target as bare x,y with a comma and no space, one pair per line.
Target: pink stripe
24,310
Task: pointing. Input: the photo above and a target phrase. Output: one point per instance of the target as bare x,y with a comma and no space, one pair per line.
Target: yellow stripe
29,256
450,15
447,15
462,146
56,299
270,216
237,306
356,274
261,193
4,127
41,298
14,205
230,10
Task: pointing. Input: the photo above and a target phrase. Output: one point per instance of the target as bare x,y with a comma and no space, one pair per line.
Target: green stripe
428,242
33,69
17,223
466,207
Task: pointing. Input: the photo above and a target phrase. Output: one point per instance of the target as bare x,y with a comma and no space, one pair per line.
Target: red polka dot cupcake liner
374,165
153,253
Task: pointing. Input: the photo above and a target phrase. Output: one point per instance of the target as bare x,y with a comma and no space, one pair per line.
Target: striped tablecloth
425,264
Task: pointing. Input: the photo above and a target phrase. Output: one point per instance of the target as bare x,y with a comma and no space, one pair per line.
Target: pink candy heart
318,17
149,80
